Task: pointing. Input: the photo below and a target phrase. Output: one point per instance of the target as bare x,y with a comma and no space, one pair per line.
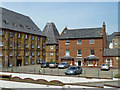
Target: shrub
117,76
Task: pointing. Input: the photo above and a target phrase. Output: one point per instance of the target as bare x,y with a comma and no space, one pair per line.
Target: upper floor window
18,35
10,53
38,39
32,46
79,42
2,32
67,42
43,47
26,45
51,54
26,36
116,43
32,53
92,41
10,44
52,47
1,43
92,52
67,52
38,46
18,53
18,45
33,37
38,53
79,52
26,53
11,35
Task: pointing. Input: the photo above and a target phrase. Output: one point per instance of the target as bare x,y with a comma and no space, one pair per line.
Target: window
26,36
57,53
90,62
32,54
92,41
38,39
79,42
51,54
109,62
10,44
18,53
1,43
1,53
33,37
10,53
67,52
32,46
43,47
38,53
32,61
43,39
115,43
19,35
26,53
26,62
26,45
52,47
92,52
18,45
67,42
3,32
38,46
11,34
79,52
56,47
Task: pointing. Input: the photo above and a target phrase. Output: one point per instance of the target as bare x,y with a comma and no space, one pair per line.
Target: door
79,63
19,62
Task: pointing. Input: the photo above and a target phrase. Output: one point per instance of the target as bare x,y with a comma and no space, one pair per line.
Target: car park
53,65
40,61
45,64
73,70
105,67
63,65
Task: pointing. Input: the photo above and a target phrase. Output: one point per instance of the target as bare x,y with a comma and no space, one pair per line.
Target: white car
105,67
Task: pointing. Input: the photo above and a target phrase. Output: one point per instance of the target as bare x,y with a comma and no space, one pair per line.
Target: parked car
73,70
45,64
63,65
53,65
105,67
40,61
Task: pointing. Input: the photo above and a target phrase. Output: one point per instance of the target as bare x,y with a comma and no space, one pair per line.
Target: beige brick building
52,34
21,41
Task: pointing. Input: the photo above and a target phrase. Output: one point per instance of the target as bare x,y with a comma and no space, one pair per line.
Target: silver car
105,67
73,70
63,65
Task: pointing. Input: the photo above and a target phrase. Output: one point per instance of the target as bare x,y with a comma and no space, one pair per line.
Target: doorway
79,63
19,62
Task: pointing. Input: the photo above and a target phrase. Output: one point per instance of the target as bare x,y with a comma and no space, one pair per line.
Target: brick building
21,41
52,34
83,47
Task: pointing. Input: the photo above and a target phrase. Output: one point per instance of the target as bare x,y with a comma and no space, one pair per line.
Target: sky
74,15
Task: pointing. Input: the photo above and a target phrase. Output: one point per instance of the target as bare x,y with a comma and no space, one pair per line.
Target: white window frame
51,54
52,47
67,52
79,42
67,42
79,54
92,41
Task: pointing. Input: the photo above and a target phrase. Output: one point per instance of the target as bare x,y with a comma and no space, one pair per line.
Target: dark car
40,61
73,70
63,65
53,65
45,64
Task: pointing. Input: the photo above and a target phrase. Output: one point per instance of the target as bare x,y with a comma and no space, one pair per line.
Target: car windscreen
62,63
104,65
53,63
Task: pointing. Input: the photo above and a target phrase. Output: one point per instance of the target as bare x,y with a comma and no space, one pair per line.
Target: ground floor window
109,62
90,62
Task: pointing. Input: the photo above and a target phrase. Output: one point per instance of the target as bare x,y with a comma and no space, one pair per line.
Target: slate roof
15,21
51,32
82,33
110,37
66,57
112,52
91,58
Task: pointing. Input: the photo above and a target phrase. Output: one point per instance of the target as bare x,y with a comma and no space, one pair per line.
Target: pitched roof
51,32
91,58
66,57
111,36
82,33
15,21
112,52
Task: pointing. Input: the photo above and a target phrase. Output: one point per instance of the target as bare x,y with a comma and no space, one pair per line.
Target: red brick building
83,47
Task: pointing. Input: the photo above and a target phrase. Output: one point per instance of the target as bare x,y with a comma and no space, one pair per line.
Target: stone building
83,47
21,41
52,34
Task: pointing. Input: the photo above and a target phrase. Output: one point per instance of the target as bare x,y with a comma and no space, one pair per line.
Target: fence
55,71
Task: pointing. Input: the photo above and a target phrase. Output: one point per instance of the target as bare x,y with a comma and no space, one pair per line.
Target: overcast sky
71,14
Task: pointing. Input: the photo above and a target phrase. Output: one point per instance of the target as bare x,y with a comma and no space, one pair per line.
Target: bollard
112,74
44,70
34,71
16,68
98,74
58,71
11,70
84,73
7,68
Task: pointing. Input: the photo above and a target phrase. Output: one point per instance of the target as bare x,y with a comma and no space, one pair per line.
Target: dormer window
5,22
14,24
92,41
